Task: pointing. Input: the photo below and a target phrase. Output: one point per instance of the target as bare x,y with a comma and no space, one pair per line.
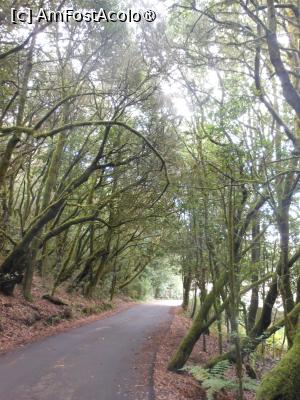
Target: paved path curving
93,362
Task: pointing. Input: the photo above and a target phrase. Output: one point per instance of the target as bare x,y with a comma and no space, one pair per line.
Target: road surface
93,362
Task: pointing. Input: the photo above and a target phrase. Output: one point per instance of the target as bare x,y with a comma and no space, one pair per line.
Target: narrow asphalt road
93,362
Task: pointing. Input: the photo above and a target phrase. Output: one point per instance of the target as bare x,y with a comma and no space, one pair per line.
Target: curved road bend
93,362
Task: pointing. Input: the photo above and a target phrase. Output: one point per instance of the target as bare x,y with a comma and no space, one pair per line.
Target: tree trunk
199,326
283,381
284,282
187,281
16,263
28,276
90,289
255,258
194,302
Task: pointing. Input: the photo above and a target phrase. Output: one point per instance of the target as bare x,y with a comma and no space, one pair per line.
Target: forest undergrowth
183,385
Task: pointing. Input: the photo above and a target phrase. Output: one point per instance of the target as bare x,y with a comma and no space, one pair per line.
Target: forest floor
23,322
169,385
174,386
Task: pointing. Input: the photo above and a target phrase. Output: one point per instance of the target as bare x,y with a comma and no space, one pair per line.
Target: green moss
283,381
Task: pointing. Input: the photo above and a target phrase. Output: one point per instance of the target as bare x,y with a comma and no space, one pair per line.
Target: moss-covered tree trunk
255,258
194,302
266,314
283,271
199,326
187,282
15,264
283,381
101,267
7,154
50,183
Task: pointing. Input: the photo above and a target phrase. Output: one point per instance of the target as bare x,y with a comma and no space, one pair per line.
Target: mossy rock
97,309
68,313
88,310
32,319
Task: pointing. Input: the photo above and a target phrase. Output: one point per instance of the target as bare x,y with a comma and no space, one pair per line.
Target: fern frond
220,368
214,381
